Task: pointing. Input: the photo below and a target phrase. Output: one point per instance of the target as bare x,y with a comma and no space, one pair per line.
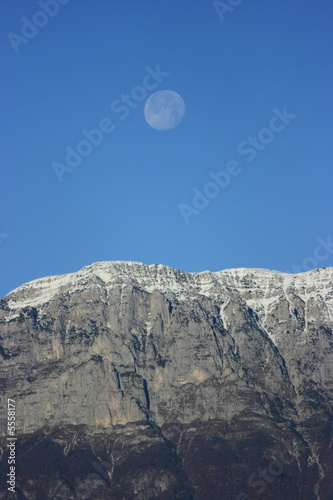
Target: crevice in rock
146,391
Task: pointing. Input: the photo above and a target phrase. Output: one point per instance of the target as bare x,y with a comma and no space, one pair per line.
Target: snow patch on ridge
259,288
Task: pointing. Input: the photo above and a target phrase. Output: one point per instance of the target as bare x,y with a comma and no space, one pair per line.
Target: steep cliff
137,381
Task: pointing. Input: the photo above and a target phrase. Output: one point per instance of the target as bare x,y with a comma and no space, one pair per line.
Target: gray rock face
238,363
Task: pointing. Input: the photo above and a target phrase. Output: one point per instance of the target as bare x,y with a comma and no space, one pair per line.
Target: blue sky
122,201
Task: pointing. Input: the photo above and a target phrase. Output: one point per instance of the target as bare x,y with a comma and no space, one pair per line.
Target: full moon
164,110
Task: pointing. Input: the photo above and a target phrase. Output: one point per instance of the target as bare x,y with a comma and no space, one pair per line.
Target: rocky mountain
143,382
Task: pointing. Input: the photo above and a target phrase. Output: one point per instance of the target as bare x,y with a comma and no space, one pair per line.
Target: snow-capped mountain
188,384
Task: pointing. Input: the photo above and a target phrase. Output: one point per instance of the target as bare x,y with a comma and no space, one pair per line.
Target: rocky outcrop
203,385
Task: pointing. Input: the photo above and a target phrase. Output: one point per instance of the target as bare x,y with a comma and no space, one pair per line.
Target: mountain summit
137,381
